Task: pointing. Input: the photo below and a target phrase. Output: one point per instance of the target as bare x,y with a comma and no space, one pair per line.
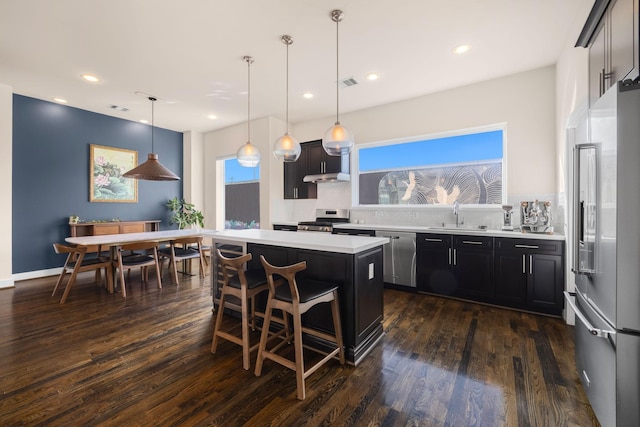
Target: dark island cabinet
313,161
530,274
455,265
360,280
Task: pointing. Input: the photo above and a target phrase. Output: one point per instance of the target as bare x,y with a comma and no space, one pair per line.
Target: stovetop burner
325,218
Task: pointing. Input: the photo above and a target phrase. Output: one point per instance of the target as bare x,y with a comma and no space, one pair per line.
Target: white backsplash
338,195
490,216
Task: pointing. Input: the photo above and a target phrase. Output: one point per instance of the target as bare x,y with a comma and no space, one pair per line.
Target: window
467,167
241,195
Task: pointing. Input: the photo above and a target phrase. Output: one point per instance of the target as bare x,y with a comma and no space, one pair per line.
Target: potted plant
184,214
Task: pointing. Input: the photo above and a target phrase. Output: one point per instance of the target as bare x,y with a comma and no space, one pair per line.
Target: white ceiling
189,53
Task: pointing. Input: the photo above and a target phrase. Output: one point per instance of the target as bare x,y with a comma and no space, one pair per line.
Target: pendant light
248,155
338,140
152,169
287,148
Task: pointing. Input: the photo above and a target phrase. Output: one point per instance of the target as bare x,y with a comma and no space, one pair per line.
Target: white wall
193,168
6,149
524,101
224,143
572,97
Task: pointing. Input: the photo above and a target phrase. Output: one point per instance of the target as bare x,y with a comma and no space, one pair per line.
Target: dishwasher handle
570,296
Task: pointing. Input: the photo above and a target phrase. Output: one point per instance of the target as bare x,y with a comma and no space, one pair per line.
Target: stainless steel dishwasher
399,258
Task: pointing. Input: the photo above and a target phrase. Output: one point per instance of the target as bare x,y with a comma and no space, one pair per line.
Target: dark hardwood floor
101,359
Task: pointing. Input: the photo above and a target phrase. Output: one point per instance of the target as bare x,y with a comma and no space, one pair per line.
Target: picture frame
106,183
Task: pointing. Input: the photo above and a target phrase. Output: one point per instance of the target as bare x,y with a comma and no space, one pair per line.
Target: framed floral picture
107,165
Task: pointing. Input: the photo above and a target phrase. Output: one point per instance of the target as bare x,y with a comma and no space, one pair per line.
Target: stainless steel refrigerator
606,256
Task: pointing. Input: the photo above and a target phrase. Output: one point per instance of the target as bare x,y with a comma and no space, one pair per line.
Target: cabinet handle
455,261
394,237
524,265
530,264
526,246
471,242
426,239
601,82
449,256
295,193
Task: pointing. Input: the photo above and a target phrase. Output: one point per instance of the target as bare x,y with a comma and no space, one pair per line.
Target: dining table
113,241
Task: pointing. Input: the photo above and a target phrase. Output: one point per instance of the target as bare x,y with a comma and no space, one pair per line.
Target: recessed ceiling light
60,100
90,78
461,49
307,95
373,76
144,121
212,116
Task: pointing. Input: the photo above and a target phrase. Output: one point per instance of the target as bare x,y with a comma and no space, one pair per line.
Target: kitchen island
353,263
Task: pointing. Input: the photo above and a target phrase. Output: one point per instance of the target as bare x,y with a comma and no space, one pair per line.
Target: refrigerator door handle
570,297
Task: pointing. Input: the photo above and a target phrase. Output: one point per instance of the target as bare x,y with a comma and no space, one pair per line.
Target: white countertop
120,239
449,230
318,241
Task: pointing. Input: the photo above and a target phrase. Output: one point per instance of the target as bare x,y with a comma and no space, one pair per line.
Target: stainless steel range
325,218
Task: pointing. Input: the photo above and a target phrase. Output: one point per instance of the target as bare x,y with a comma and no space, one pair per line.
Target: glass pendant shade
248,155
338,140
287,148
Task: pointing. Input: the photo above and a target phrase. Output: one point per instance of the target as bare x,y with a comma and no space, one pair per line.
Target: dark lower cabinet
454,265
530,274
360,280
526,274
433,264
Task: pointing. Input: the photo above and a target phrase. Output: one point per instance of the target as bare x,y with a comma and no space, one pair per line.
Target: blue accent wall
51,175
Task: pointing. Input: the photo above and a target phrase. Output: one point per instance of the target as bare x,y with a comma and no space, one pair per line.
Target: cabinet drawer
100,230
424,240
132,228
471,242
553,247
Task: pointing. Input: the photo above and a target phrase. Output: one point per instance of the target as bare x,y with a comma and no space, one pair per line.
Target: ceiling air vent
118,108
348,82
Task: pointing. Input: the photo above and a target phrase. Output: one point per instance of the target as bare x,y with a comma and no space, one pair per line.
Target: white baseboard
36,274
7,283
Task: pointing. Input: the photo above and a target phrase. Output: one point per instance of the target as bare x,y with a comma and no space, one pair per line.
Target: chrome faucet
456,207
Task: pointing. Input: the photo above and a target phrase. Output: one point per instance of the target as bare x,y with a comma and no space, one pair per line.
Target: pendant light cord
337,74
249,61
287,101
152,99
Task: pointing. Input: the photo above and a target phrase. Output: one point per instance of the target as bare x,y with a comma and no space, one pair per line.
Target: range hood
328,177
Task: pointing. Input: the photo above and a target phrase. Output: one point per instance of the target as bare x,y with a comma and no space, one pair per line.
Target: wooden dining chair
143,255
77,263
183,249
296,297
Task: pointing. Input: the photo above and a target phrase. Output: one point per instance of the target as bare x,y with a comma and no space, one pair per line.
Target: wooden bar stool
296,299
244,285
